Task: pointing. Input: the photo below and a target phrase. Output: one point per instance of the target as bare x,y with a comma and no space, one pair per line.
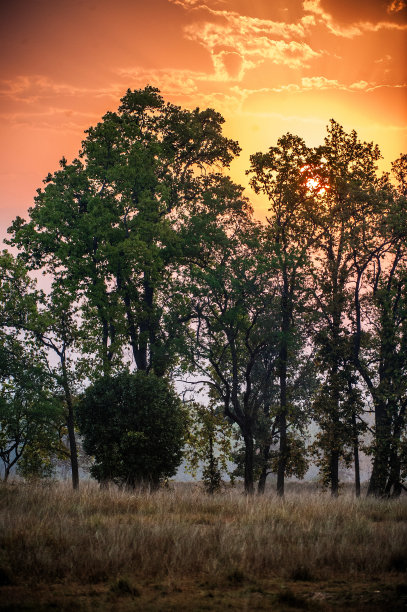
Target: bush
133,425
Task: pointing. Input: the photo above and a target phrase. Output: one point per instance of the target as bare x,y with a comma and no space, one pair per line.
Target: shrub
133,425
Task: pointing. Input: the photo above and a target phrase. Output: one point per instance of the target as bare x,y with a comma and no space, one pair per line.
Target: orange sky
269,66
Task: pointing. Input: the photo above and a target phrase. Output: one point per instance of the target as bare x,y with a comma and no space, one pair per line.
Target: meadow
179,549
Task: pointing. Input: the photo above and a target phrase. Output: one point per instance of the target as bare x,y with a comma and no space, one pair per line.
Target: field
178,549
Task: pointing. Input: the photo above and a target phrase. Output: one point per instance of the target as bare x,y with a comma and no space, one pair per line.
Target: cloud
194,4
49,118
253,41
317,83
396,6
237,43
31,88
169,81
359,24
384,60
321,82
39,101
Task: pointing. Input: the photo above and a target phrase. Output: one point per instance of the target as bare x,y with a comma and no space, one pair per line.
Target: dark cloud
374,11
275,10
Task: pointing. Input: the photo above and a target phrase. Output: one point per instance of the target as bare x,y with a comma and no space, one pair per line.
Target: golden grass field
179,549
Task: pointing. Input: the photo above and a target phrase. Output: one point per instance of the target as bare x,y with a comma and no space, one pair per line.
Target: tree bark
282,459
70,423
282,364
261,485
356,455
393,486
248,464
334,469
378,479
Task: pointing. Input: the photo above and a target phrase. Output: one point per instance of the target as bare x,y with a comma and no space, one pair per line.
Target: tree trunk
261,486
248,464
70,423
282,459
146,337
356,455
395,461
393,485
336,442
282,364
378,479
72,447
334,473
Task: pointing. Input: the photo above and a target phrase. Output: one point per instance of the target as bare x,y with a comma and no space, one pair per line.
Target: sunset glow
315,186
268,67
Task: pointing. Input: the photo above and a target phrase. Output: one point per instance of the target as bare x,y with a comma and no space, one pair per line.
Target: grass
177,546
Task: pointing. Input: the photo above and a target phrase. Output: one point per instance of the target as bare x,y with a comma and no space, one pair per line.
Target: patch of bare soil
235,592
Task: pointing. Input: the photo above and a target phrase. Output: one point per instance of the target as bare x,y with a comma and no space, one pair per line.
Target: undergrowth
51,533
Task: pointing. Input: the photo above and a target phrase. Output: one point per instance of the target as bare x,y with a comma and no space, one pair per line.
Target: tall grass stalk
52,533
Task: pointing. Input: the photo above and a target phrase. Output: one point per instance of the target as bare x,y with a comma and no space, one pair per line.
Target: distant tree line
157,270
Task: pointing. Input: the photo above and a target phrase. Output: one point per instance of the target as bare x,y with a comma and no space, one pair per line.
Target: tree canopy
134,427
158,270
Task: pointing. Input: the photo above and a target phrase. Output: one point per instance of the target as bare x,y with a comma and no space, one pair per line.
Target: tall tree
231,297
346,169
284,175
379,317
112,220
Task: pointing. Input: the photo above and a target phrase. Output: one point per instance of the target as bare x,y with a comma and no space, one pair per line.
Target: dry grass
52,533
49,535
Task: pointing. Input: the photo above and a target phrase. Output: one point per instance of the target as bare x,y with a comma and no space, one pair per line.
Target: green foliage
134,426
296,460
31,416
208,443
153,255
231,298
31,421
115,223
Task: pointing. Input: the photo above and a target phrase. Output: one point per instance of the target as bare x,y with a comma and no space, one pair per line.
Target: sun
314,183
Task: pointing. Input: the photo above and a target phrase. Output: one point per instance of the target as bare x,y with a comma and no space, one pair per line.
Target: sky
269,66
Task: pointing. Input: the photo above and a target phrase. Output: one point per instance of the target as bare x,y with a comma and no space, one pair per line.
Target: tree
55,326
134,427
284,175
379,315
345,170
38,327
231,297
112,223
31,420
31,415
208,444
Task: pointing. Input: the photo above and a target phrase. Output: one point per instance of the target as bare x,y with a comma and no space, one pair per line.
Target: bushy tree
31,422
133,425
231,298
31,414
114,224
209,441
38,333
